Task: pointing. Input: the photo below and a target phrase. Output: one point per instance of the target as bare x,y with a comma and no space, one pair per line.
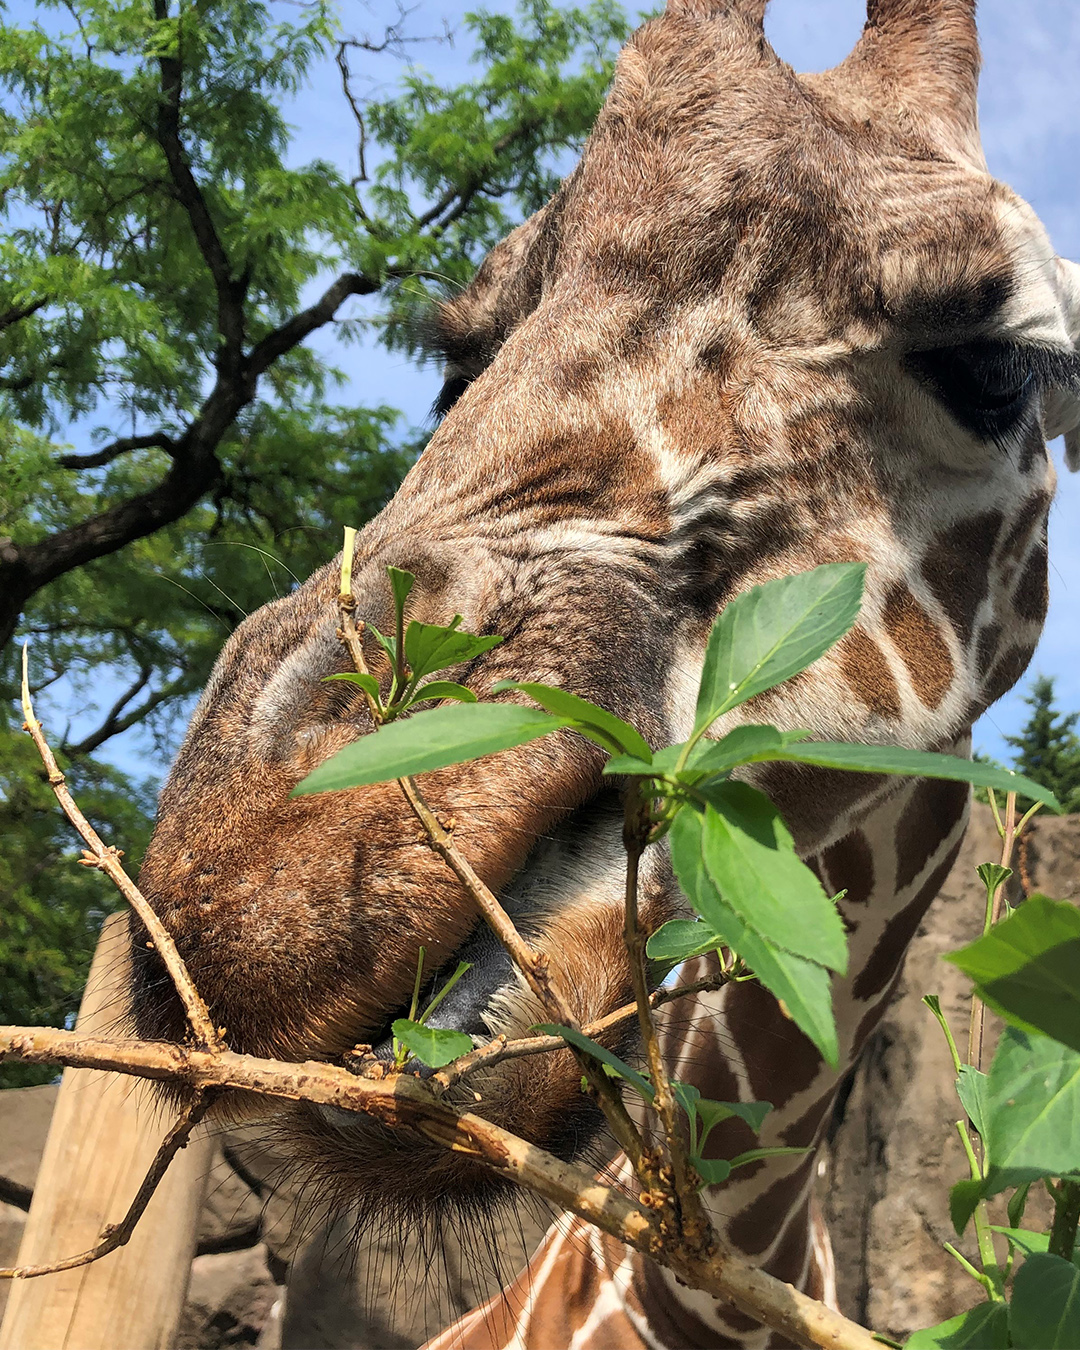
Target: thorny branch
1011,829
494,1052
695,1226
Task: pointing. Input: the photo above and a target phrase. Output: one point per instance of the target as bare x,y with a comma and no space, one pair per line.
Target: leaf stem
975,1274
934,1004
463,966
696,1228
416,983
1066,1219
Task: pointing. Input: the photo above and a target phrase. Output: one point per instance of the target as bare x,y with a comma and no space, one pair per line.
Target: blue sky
1032,139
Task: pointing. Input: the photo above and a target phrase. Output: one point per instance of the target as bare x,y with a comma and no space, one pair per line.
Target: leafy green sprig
433,1046
758,905
1022,1117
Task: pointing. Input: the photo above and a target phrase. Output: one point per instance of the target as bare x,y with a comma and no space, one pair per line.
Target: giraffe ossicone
769,321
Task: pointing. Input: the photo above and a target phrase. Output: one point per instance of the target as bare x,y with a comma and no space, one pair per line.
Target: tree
173,454
159,248
1047,748
50,906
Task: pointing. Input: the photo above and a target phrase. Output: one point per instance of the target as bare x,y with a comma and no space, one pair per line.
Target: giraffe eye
987,386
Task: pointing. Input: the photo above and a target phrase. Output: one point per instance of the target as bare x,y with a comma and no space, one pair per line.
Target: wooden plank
105,1130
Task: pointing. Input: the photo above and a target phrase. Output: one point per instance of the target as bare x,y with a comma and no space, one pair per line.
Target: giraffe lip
463,1009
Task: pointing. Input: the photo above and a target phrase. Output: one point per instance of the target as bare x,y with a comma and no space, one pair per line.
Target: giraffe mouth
466,1007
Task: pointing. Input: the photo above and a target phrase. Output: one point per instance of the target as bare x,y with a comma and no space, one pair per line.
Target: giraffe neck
586,1290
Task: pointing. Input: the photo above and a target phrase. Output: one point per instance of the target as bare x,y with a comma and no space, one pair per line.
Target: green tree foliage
173,452
1048,748
50,905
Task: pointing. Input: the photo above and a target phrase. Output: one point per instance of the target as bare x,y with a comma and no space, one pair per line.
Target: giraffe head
769,321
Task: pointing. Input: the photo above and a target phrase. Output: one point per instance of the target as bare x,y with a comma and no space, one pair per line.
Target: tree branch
402,1101
460,197
107,859
154,440
230,290
19,312
117,721
295,330
117,1234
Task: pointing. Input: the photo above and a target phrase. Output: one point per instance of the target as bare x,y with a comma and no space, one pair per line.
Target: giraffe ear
917,63
1061,415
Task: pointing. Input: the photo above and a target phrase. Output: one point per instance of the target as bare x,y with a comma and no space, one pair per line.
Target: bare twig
107,859
358,117
494,1052
403,1101
117,1234
154,440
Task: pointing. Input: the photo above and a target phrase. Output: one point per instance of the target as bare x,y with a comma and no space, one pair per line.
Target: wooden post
105,1130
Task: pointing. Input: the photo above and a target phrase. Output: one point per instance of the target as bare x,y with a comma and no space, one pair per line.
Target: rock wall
266,1275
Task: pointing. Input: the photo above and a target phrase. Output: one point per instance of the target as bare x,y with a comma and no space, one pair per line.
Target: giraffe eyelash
452,389
990,386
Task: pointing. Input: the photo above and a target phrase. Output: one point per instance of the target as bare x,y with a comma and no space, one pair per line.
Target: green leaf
601,1053
1028,968
680,939
452,734
964,1198
1031,1244
366,682
1032,1109
971,1089
629,765
604,728
433,1046
751,860
747,744
993,875
712,1113
401,583
985,1327
687,1096
1017,1204
389,645
430,647
772,632
802,986
444,689
712,1171
1044,1313
915,763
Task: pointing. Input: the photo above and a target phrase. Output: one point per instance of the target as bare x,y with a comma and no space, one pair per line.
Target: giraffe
769,321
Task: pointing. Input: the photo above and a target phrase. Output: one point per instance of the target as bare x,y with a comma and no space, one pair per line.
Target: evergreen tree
1048,748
